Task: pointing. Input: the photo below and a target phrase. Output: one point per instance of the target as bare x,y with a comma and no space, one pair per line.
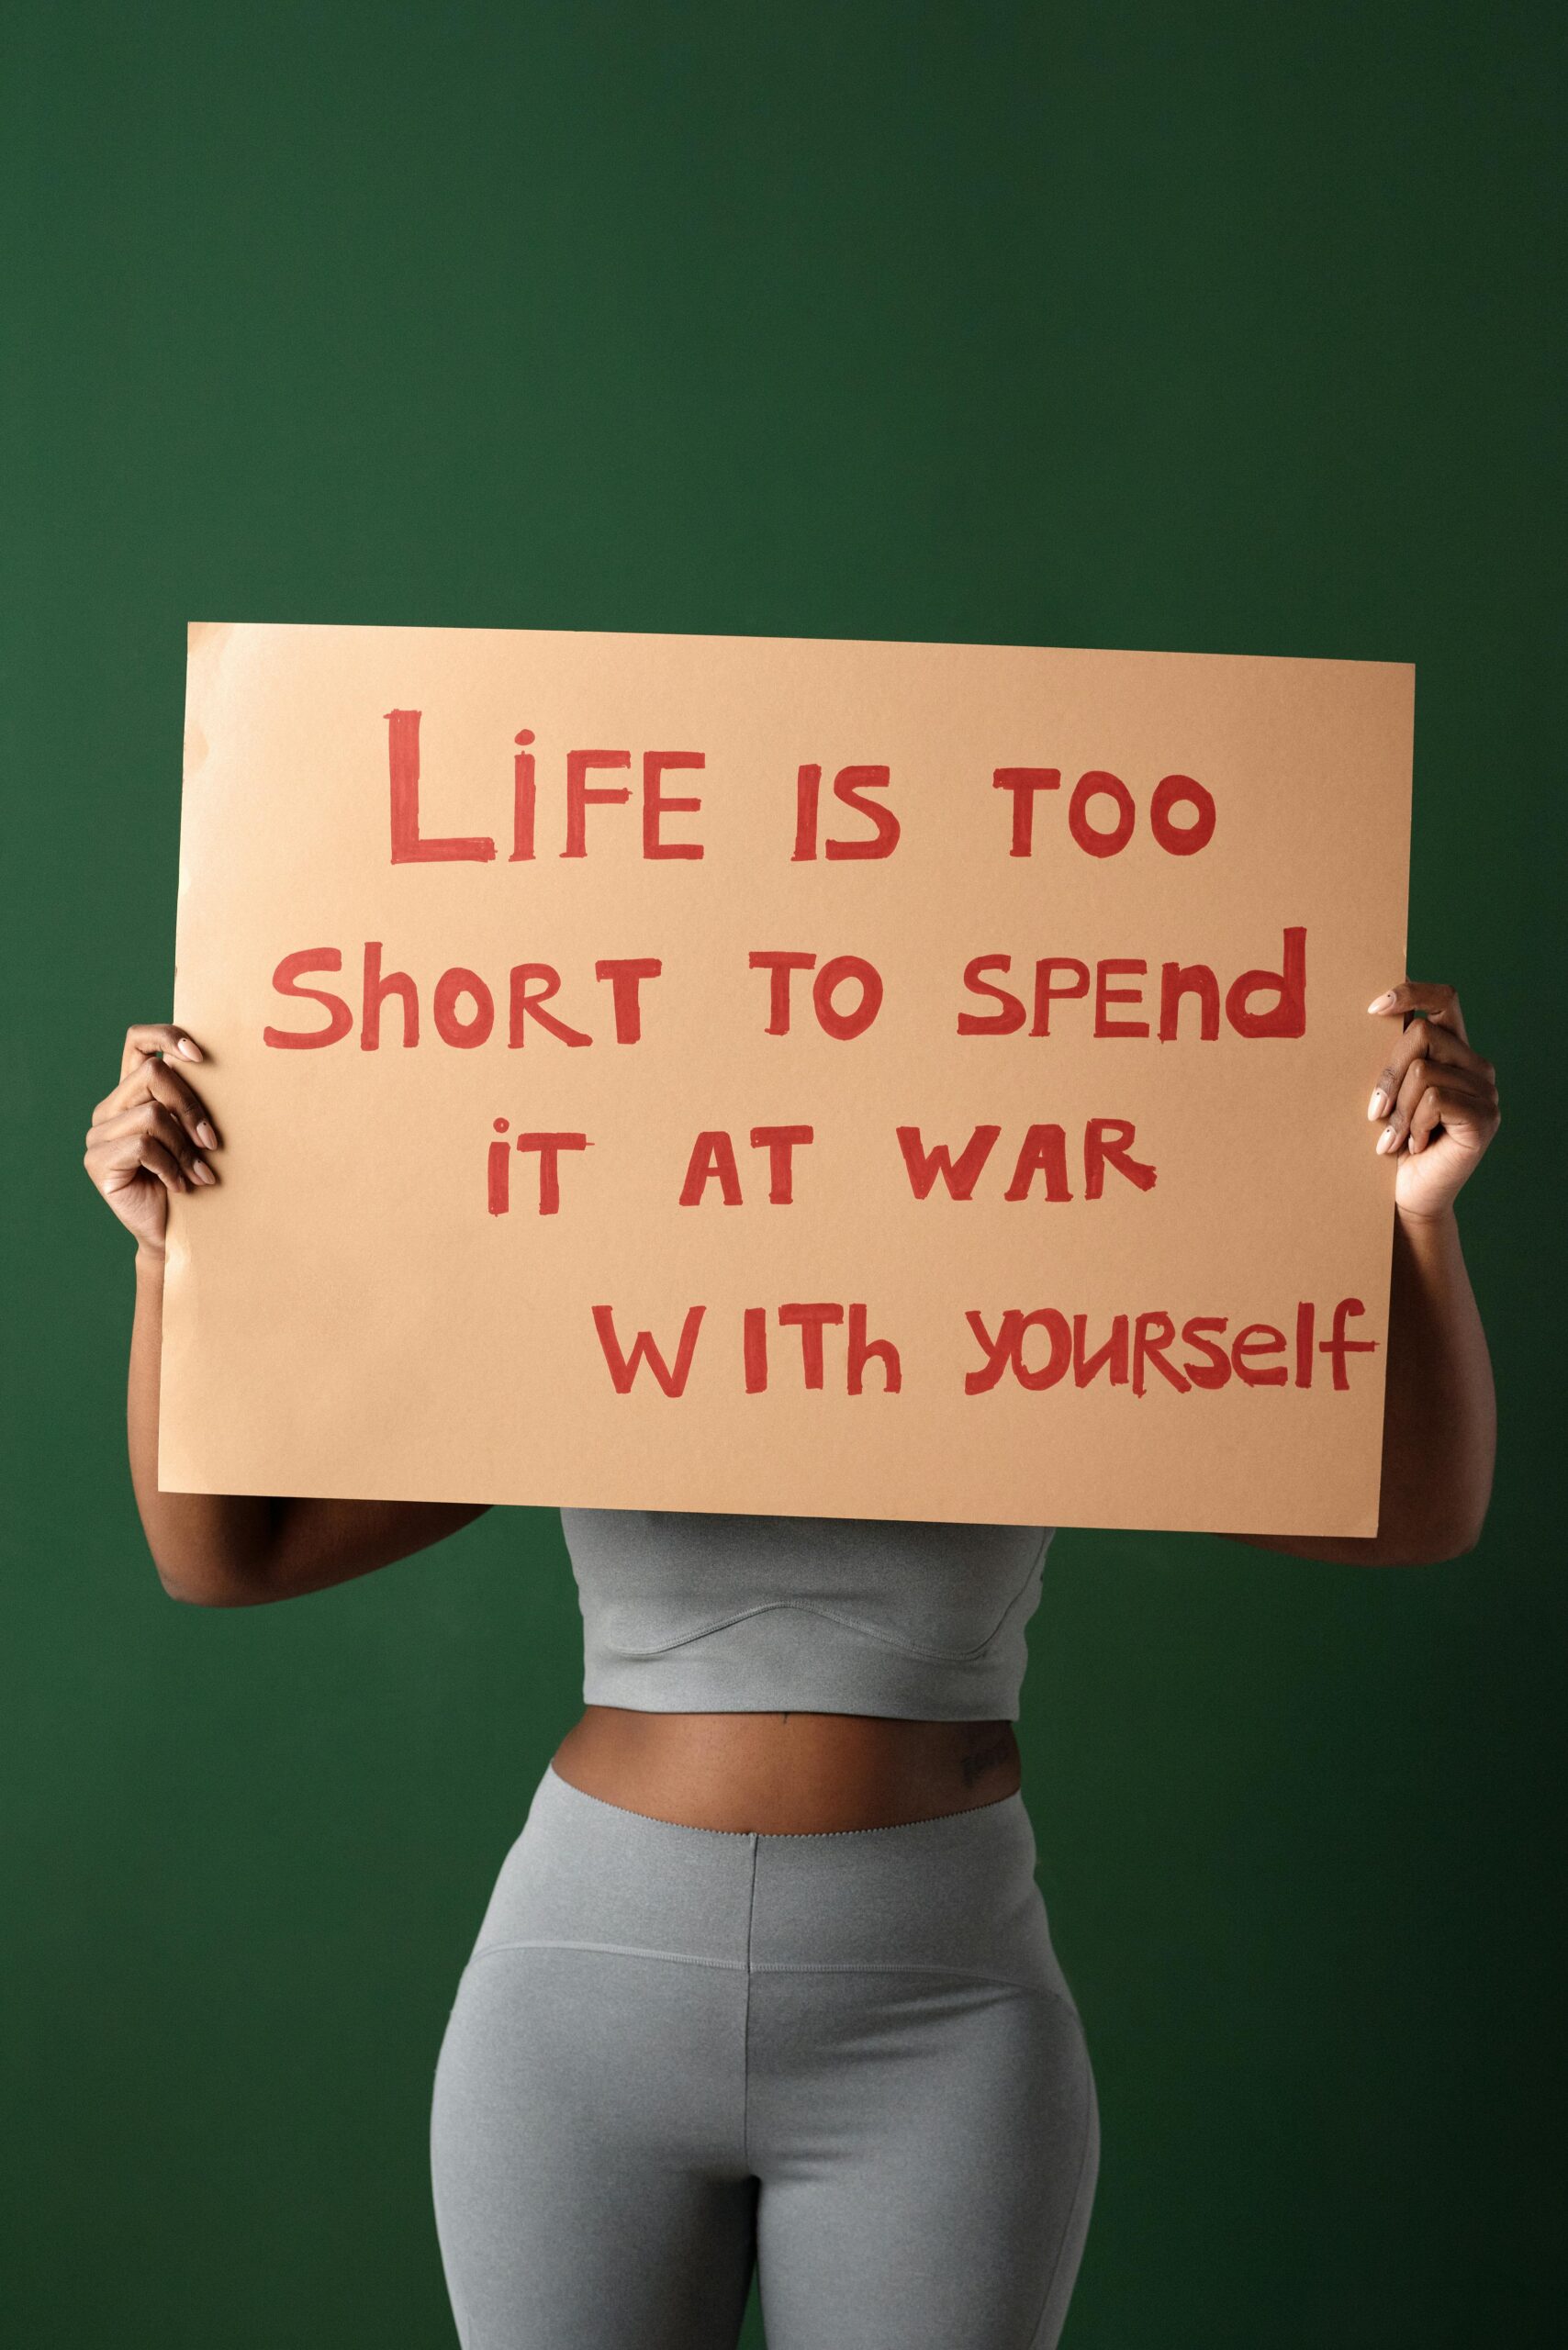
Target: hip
951,1895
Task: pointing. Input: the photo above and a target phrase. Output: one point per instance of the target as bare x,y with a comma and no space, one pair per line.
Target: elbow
204,1586
189,1590
1430,1545
1459,1544
1467,1536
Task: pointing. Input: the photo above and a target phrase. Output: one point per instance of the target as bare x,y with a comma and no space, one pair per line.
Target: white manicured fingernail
1385,1139
191,1052
1378,1104
1382,1001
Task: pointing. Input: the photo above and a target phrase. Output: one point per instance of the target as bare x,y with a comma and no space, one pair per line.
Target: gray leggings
850,2059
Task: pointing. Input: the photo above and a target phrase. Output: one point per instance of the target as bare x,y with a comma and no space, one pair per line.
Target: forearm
1440,1425
217,1549
1440,1411
202,1544
244,1550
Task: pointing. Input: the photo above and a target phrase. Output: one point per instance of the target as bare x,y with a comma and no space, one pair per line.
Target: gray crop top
699,1613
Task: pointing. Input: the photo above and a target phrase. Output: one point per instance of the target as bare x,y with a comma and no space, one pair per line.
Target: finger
159,1080
162,1081
145,1037
1422,1077
156,1119
1438,1003
1423,1041
1462,1115
150,1117
121,1165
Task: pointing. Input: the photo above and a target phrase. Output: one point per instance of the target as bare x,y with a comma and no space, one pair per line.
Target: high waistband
953,1893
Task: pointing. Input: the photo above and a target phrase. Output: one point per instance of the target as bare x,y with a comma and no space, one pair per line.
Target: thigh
928,2149
583,2140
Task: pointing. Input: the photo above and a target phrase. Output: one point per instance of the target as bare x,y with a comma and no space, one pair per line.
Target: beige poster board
953,1057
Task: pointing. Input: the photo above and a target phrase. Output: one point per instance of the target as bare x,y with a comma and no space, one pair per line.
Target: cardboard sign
768,1074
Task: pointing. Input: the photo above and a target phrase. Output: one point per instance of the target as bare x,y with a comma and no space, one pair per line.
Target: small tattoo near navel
986,1758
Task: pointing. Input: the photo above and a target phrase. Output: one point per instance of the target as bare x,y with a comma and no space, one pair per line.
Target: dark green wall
1220,327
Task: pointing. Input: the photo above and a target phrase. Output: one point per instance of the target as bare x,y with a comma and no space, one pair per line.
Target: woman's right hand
147,1138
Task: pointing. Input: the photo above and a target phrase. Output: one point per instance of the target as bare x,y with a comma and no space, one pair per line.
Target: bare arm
150,1137
1438,1102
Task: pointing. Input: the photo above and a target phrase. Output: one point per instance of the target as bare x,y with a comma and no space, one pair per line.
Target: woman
767,1974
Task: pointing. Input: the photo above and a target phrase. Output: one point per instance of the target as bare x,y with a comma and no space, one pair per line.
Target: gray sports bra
698,1613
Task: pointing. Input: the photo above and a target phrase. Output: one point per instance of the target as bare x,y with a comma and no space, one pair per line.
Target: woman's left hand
1437,1098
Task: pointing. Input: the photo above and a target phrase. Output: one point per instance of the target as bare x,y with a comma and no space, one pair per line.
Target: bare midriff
787,1773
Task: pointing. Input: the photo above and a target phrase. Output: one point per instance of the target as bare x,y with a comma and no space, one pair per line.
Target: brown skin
1437,1109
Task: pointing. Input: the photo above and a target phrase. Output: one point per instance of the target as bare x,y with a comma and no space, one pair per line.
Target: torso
787,1773
909,1635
